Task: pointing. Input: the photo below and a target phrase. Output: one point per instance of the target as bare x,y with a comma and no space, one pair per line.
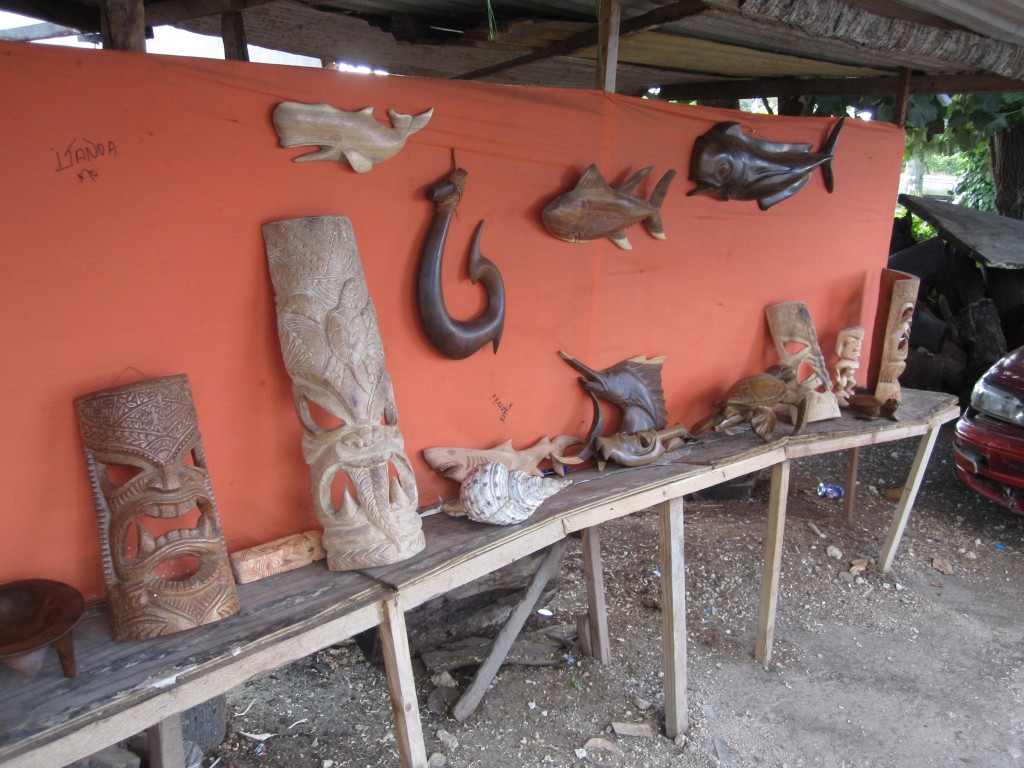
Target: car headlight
997,403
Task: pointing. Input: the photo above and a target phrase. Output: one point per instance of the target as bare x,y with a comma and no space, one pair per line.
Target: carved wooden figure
897,299
277,556
639,448
453,338
353,136
455,463
593,209
164,560
848,348
333,351
729,164
796,344
754,398
635,386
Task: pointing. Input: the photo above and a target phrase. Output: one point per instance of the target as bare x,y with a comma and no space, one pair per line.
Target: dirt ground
919,667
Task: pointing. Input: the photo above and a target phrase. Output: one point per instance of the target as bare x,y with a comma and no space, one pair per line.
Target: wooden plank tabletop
459,550
113,677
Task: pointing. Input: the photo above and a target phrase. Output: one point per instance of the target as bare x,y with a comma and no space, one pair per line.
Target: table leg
597,612
850,503
909,495
772,562
166,747
502,644
394,645
673,616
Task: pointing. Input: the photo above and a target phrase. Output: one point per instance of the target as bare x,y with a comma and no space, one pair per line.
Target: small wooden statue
333,351
897,299
848,347
796,344
164,559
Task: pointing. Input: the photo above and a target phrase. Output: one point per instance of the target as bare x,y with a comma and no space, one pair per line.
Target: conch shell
492,493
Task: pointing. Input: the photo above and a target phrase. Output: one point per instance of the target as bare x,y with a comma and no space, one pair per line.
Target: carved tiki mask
164,560
796,343
893,320
334,354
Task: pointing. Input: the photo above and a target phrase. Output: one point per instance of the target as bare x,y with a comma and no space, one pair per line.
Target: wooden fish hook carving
453,338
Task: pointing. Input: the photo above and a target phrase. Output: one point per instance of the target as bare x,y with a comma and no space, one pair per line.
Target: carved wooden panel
164,559
332,349
896,302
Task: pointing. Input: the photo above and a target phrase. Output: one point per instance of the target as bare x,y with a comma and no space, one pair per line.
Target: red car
988,444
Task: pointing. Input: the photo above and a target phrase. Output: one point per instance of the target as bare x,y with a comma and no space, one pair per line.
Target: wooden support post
394,646
597,612
232,32
907,498
899,110
673,616
123,25
166,747
772,562
608,45
502,644
850,501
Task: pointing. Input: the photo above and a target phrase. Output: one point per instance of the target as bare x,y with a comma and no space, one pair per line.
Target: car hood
1008,373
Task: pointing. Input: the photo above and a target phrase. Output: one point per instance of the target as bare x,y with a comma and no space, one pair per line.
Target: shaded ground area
919,667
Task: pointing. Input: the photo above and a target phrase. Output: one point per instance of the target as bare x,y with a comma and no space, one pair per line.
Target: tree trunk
1006,150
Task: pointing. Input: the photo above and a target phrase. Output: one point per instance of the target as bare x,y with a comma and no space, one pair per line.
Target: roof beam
608,48
30,32
843,86
175,11
591,36
85,18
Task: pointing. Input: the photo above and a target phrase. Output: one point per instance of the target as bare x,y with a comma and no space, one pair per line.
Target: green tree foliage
982,134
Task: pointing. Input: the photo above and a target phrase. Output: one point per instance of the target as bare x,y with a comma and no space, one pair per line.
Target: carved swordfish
457,338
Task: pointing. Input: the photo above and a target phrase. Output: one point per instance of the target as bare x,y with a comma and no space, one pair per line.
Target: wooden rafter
843,86
591,36
176,11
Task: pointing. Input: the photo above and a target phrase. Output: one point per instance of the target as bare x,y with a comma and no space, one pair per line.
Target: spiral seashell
492,493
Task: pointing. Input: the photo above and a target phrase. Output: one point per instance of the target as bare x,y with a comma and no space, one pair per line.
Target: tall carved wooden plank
164,559
333,352
890,343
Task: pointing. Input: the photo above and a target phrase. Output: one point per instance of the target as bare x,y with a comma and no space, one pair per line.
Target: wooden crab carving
753,399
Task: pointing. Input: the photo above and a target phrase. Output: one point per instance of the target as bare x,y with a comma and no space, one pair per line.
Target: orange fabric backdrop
148,260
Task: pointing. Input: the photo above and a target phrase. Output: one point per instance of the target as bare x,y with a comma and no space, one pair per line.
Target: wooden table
122,688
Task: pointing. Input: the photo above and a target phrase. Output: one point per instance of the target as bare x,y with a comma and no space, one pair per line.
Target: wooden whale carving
353,136
453,338
729,164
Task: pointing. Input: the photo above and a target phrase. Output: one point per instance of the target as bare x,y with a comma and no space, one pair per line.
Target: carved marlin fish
593,209
455,463
730,164
355,136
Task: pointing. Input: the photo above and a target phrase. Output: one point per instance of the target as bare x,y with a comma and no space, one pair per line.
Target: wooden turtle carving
753,398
